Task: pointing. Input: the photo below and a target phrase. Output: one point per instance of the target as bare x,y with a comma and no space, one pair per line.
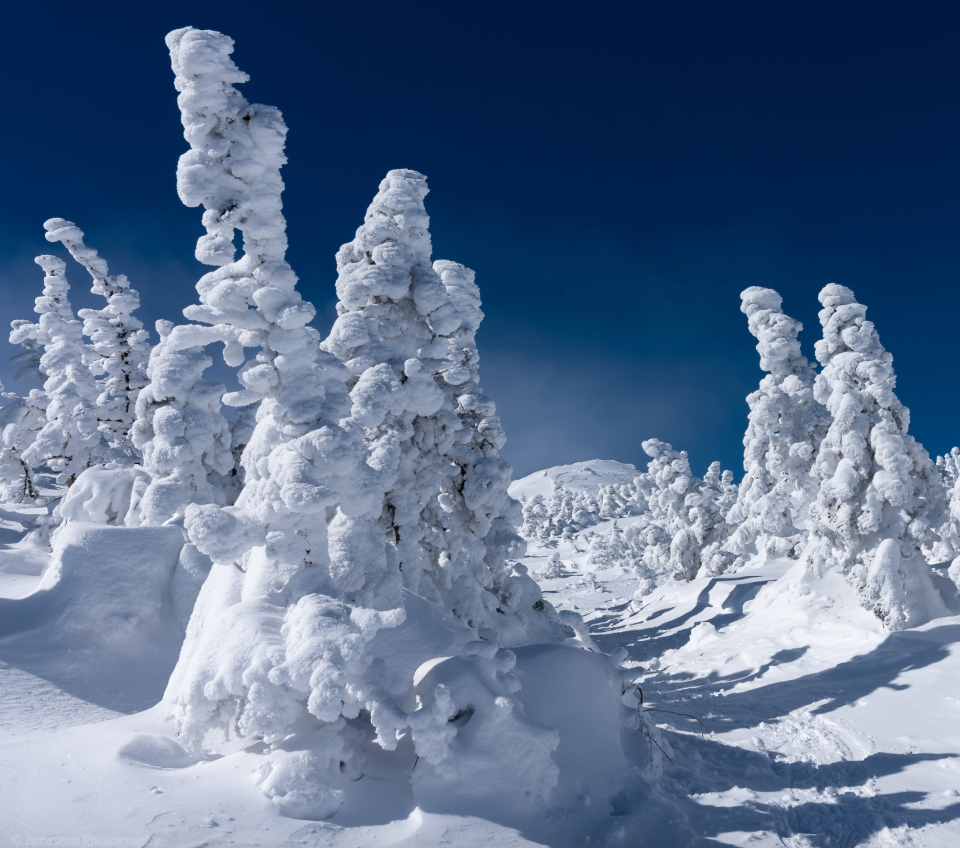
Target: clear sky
615,173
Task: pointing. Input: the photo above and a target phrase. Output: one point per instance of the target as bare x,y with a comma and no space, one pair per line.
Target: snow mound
104,584
578,477
154,751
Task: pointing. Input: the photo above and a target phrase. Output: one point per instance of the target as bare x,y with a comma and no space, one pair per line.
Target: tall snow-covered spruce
282,642
406,335
879,499
69,441
786,426
119,345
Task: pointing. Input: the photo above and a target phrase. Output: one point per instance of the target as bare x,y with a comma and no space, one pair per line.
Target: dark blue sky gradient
615,173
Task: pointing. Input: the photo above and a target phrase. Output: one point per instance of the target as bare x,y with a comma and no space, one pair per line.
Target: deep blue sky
615,173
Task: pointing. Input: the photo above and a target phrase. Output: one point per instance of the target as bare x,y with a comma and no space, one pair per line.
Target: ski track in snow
818,729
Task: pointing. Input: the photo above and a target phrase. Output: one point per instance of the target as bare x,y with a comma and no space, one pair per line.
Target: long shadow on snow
838,686
730,766
845,823
644,645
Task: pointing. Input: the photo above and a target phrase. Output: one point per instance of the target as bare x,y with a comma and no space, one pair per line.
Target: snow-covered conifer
668,544
879,494
282,630
119,345
184,440
711,531
70,440
29,357
21,419
786,426
405,333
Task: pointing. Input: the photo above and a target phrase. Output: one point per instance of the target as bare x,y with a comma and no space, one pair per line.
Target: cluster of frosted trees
359,470
566,512
83,416
831,474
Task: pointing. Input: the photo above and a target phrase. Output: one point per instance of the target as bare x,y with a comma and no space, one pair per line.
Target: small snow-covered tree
667,544
20,421
69,441
711,531
184,440
683,529
119,347
786,426
879,498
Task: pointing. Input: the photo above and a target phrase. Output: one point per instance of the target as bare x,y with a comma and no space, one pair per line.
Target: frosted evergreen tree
21,420
534,517
183,438
281,631
711,531
879,495
786,426
30,352
476,490
949,467
69,441
119,347
668,544
405,334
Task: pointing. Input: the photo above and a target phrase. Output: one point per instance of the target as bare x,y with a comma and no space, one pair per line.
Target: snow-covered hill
578,477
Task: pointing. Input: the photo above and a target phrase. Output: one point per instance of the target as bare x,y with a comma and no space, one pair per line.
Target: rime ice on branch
786,426
879,498
70,440
120,345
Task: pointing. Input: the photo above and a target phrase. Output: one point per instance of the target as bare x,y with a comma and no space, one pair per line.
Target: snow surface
819,727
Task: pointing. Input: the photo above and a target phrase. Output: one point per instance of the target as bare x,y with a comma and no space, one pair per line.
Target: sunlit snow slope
788,717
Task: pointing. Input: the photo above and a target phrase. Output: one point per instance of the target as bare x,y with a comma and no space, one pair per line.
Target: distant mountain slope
578,477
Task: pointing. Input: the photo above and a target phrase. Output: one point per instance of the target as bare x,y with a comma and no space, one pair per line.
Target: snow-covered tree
29,357
667,544
405,333
282,631
20,421
69,441
880,497
683,529
786,426
534,517
119,346
183,438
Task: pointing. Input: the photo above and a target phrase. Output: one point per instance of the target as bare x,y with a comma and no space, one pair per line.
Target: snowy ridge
577,477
